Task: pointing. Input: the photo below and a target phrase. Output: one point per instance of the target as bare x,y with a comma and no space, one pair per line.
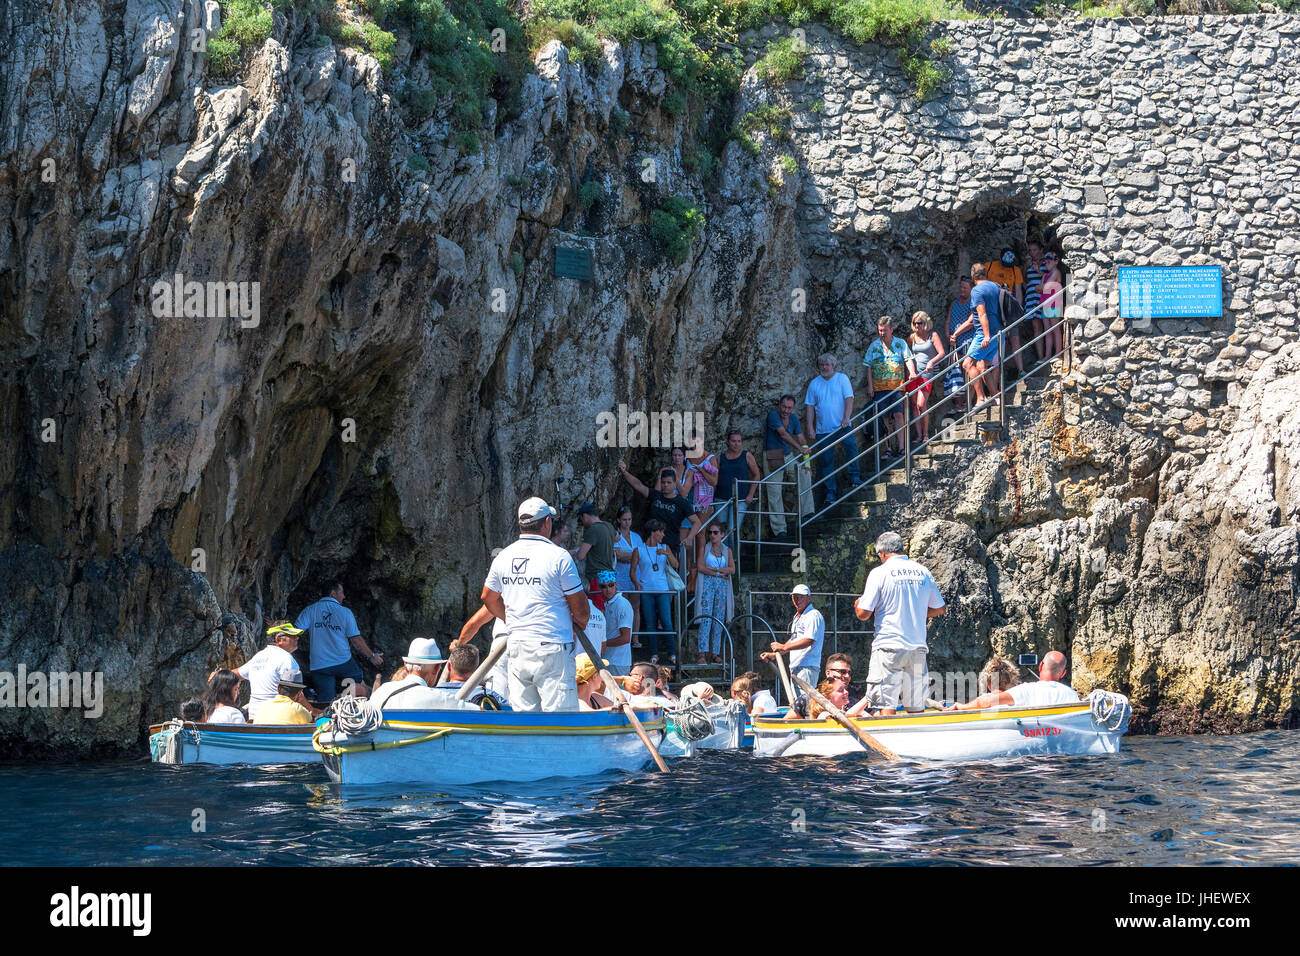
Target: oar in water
619,698
494,654
868,742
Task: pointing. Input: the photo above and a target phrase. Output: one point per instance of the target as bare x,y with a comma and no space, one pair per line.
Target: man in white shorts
534,586
903,597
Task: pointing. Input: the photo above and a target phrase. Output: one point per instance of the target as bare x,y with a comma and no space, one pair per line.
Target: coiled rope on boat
354,716
1110,711
167,746
692,720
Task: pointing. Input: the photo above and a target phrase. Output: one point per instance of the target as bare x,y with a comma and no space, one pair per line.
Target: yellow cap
587,670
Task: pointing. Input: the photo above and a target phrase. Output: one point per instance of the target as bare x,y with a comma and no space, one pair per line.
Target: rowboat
177,742
465,746
1091,726
726,722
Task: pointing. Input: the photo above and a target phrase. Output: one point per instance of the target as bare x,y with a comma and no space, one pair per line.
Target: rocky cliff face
412,366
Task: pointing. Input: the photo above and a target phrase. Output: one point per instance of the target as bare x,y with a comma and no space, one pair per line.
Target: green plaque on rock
572,263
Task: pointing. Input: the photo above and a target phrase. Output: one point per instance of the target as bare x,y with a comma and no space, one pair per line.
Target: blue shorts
981,352
890,403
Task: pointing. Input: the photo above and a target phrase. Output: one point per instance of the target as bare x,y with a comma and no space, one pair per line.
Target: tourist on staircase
829,403
928,352
1007,275
982,355
738,476
961,329
596,550
626,544
715,571
786,453
889,364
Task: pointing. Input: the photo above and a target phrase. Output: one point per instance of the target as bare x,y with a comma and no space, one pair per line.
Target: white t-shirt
225,714
900,592
651,569
419,696
264,671
1042,693
808,624
595,630
827,395
764,703
618,615
533,577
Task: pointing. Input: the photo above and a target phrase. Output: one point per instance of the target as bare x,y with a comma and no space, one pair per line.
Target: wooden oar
619,698
784,671
868,742
494,655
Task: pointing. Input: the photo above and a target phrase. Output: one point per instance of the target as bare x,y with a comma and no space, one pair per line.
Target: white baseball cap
423,650
801,589
534,509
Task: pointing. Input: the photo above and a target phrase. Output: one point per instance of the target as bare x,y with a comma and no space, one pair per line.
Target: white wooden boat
180,742
465,746
1092,726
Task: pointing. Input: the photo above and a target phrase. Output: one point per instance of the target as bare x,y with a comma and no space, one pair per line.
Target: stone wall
1157,142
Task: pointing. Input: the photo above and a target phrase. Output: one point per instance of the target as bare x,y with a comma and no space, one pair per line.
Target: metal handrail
953,355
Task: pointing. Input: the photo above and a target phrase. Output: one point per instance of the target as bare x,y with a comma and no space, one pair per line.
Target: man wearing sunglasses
618,625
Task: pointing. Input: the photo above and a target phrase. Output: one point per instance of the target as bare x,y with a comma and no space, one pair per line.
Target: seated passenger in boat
740,690
192,710
591,685
839,670
1044,692
763,701
417,690
289,706
273,663
701,689
221,699
462,662
641,685
835,691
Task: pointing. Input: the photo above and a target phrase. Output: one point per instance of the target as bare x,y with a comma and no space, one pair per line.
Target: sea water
1162,800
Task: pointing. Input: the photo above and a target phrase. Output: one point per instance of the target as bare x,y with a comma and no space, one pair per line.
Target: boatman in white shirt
1044,692
534,586
807,632
272,664
903,597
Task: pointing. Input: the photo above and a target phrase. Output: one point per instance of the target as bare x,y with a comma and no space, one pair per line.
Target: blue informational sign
1170,292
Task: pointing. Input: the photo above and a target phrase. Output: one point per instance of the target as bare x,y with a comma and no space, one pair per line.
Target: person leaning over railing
784,449
927,352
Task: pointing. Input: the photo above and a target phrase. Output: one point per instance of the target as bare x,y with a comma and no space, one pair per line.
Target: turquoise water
1163,800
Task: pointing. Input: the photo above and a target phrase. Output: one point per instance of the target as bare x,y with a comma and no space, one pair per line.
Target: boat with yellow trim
466,746
1091,726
